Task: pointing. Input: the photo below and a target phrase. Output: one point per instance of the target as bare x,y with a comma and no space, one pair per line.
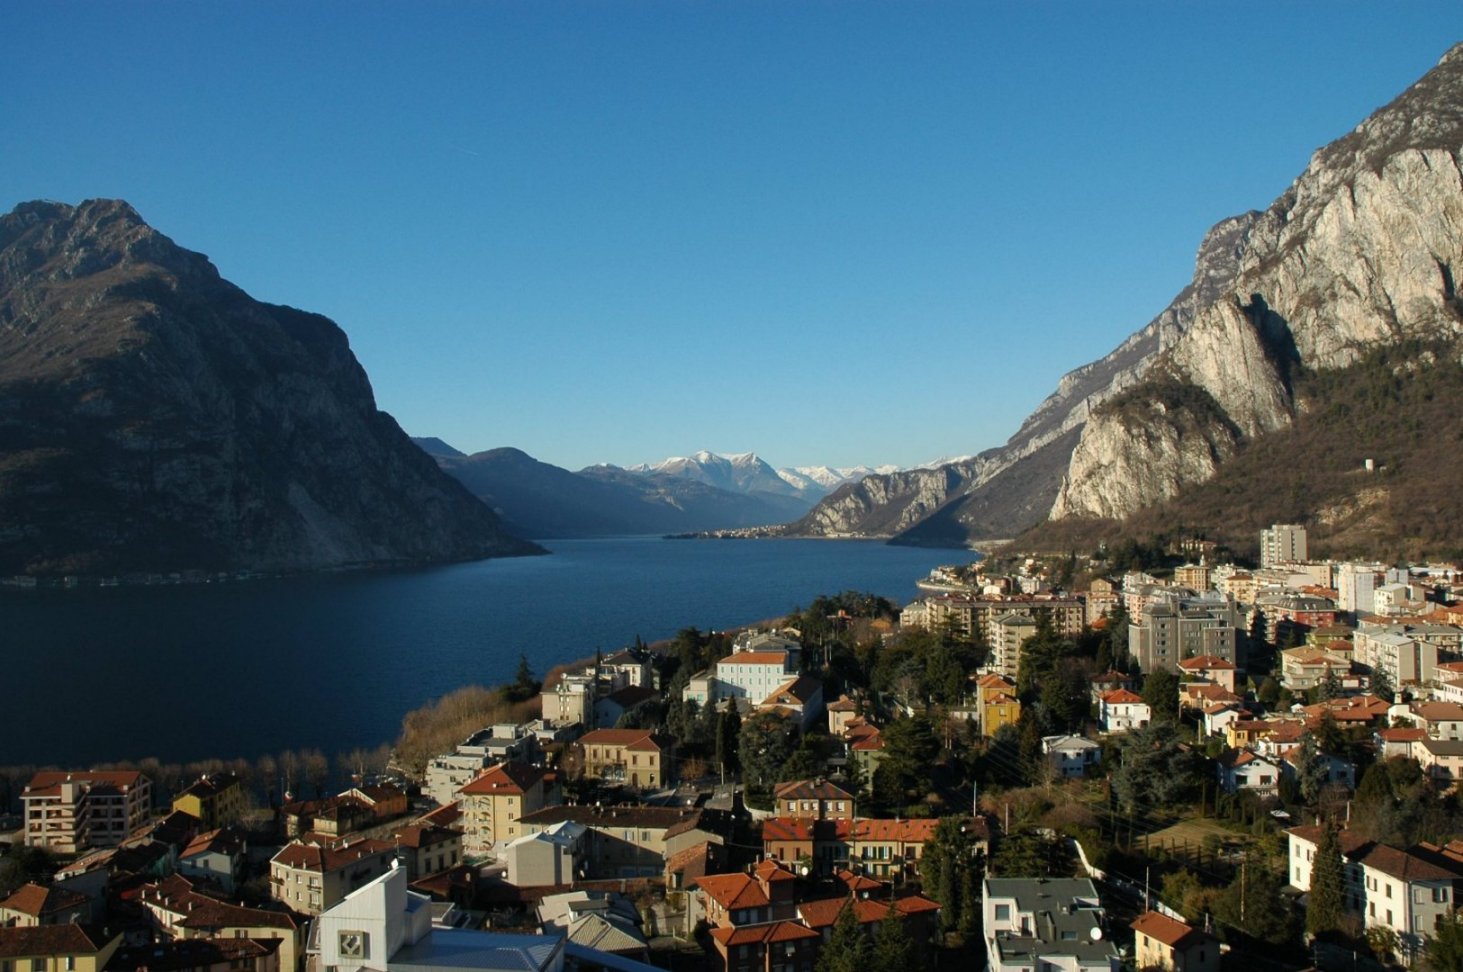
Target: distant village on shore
1146,759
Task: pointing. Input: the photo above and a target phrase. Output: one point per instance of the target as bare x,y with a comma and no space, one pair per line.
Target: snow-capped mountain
748,474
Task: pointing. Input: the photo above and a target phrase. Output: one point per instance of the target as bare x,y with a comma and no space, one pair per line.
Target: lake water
334,661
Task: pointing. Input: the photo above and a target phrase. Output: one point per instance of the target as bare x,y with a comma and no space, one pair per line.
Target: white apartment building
1282,543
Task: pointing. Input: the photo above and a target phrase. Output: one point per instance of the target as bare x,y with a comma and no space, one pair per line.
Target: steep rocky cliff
1361,250
155,418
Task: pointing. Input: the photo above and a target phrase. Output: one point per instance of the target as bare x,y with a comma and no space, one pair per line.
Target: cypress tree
847,949
1324,910
893,948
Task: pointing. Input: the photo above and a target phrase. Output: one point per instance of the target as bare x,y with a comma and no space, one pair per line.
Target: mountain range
702,492
1351,267
155,418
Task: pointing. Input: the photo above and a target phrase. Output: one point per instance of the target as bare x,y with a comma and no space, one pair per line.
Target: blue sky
837,232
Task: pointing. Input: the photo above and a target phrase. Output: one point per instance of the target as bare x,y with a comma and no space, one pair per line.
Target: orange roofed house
310,877
70,812
637,757
1166,943
493,804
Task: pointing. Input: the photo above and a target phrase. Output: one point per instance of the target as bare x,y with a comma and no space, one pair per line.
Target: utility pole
1244,861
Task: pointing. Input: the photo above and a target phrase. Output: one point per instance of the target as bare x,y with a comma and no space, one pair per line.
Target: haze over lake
334,661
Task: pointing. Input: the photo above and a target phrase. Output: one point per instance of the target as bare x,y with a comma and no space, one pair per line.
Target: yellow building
1166,943
493,804
217,800
996,703
636,757
57,948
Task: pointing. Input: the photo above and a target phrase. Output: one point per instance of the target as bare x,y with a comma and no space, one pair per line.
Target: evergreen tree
893,948
1445,949
1324,911
1310,770
1161,692
1381,685
728,740
847,950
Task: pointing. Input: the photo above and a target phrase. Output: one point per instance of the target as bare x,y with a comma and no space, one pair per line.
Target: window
1003,912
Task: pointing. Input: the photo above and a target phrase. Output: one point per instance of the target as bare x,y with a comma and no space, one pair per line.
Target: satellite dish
1095,934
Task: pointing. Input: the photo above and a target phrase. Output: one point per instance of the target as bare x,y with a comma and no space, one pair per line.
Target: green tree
1269,692
947,857
910,748
767,741
893,948
1155,768
847,949
1324,911
1255,903
1381,684
1329,687
1161,692
1445,949
1066,694
524,686
21,864
728,739
1311,770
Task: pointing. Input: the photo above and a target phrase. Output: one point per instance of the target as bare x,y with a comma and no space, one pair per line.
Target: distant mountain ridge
1360,252
155,418
544,501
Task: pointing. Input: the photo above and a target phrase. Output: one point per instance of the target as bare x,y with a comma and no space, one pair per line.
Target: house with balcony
1246,770
1122,710
312,876
71,812
494,802
638,758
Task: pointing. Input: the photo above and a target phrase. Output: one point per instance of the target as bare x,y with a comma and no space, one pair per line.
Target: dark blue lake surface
334,661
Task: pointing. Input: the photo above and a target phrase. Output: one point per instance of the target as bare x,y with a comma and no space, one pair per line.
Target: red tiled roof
810,790
504,779
1169,931
755,658
1207,662
418,836
777,931
796,691
43,940
1406,867
37,901
48,783
637,739
1121,696
733,891
315,857
444,816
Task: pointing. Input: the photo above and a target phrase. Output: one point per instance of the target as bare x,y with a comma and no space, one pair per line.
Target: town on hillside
1150,758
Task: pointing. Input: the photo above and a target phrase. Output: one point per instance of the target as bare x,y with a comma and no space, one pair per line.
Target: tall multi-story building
493,804
1282,543
1008,633
70,812
1354,586
1167,632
